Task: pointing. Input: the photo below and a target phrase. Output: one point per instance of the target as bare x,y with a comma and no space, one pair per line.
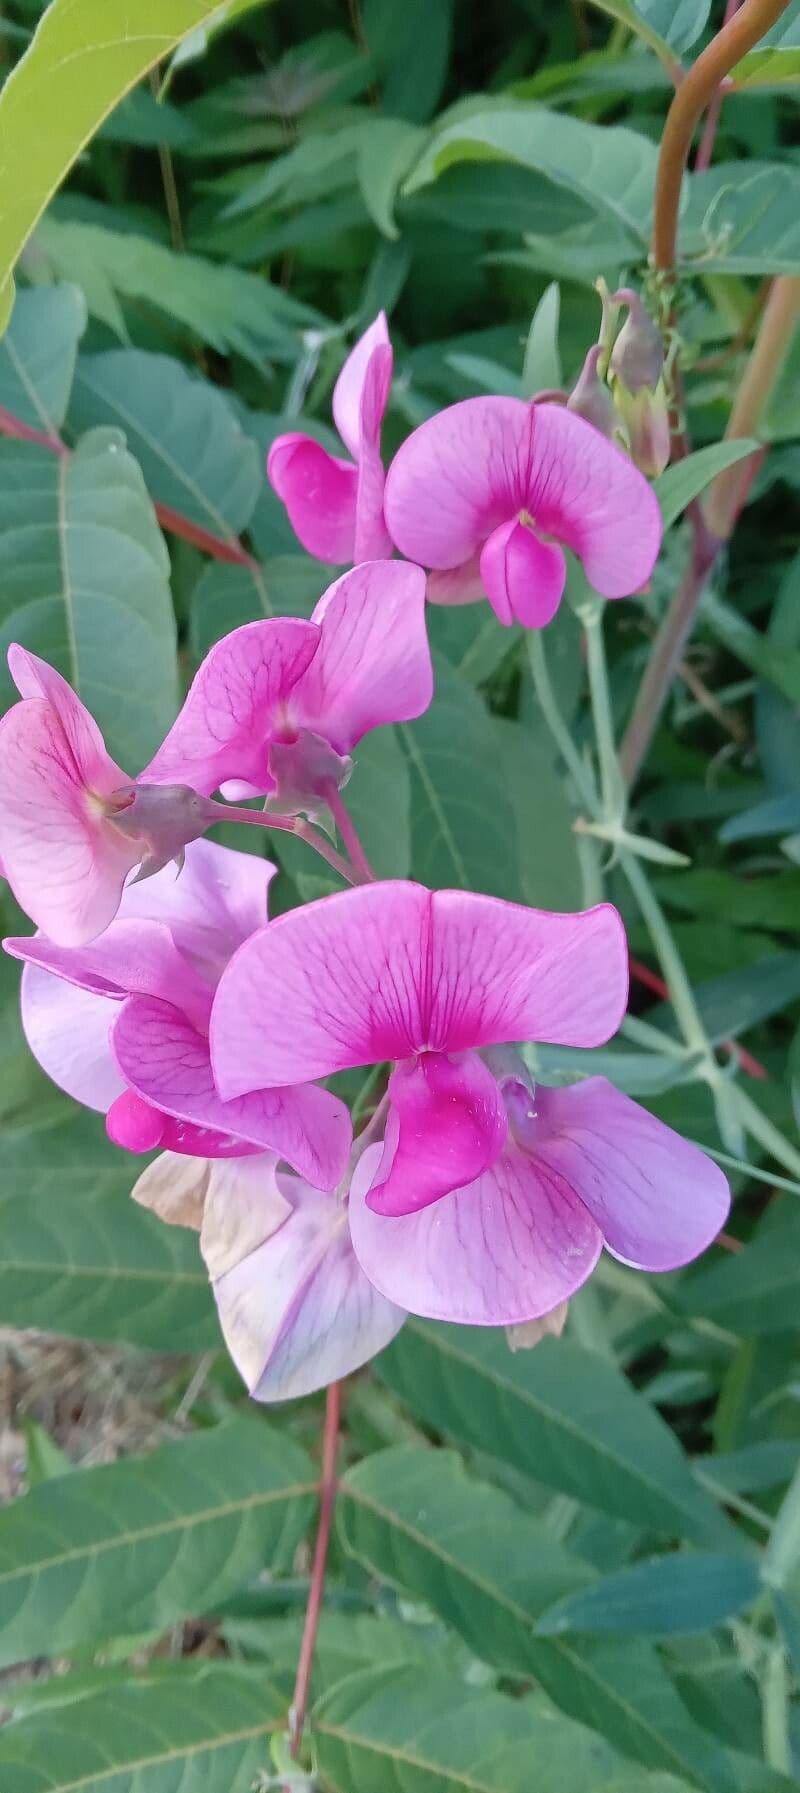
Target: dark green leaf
668,1595
38,353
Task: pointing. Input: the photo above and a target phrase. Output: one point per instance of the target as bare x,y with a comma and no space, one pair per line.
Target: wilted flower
121,1024
487,1202
491,487
335,506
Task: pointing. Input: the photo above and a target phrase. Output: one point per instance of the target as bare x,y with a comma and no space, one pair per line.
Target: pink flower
72,825
121,1024
488,1202
336,506
492,486
277,706
295,1307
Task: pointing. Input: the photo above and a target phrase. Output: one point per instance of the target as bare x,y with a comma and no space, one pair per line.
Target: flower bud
590,397
637,358
162,817
646,416
637,377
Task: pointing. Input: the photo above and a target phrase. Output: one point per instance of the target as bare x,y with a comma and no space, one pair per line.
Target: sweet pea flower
486,493
121,1024
488,1201
335,506
278,706
73,826
295,1307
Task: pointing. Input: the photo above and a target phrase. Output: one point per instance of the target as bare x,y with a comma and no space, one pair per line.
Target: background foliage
577,1568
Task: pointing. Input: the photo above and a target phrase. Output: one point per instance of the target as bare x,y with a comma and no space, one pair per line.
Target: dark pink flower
121,1023
278,706
487,1202
336,506
496,487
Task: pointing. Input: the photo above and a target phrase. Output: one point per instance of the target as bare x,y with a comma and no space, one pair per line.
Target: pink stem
705,148
327,1493
257,818
349,834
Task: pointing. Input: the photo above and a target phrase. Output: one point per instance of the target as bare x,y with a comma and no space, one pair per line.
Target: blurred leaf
611,168
778,720
44,1459
763,902
669,1595
218,303
776,815
542,365
385,151
378,798
688,478
227,596
106,55
183,1727
194,455
546,844
665,27
776,57
558,1414
411,46
738,1000
755,1291
84,576
463,828
428,1733
151,1539
743,219
37,355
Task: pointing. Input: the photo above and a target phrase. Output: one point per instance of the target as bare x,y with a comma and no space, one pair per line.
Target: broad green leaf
780,665
385,151
470,637
415,1517
776,58
781,1564
191,448
559,1414
776,815
542,365
84,581
743,218
219,303
546,844
149,1540
37,355
83,57
609,167
754,1292
650,19
227,596
195,1730
684,481
736,1000
669,1595
411,46
378,798
347,1641
413,1730
80,1257
463,827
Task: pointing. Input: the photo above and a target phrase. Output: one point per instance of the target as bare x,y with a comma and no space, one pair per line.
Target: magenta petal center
447,1124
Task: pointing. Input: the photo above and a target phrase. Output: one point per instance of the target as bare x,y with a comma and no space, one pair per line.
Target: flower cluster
158,992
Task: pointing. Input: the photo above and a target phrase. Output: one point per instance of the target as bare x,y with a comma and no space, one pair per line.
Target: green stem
556,724
611,785
775,1689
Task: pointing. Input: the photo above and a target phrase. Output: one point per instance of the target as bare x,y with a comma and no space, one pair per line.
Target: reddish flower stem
170,519
349,834
327,1499
706,145
651,980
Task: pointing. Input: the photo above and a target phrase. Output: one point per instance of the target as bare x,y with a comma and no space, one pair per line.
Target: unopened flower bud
637,358
646,416
531,1332
637,378
590,397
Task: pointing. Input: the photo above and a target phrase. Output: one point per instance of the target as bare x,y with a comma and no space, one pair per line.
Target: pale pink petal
504,1250
587,493
458,585
68,1030
36,678
456,478
657,1199
348,392
373,664
231,708
324,987
297,1311
130,958
174,1187
214,902
65,864
167,1062
524,576
372,538
447,1124
320,493
388,970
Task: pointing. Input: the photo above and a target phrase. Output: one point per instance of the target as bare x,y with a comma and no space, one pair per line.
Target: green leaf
84,581
150,1539
754,1292
611,168
667,1596
79,1257
193,1730
638,19
776,57
218,303
84,55
413,1730
379,800
227,596
386,148
463,828
776,815
780,665
550,868
191,448
37,355
677,487
541,368
743,218
558,1414
44,1459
